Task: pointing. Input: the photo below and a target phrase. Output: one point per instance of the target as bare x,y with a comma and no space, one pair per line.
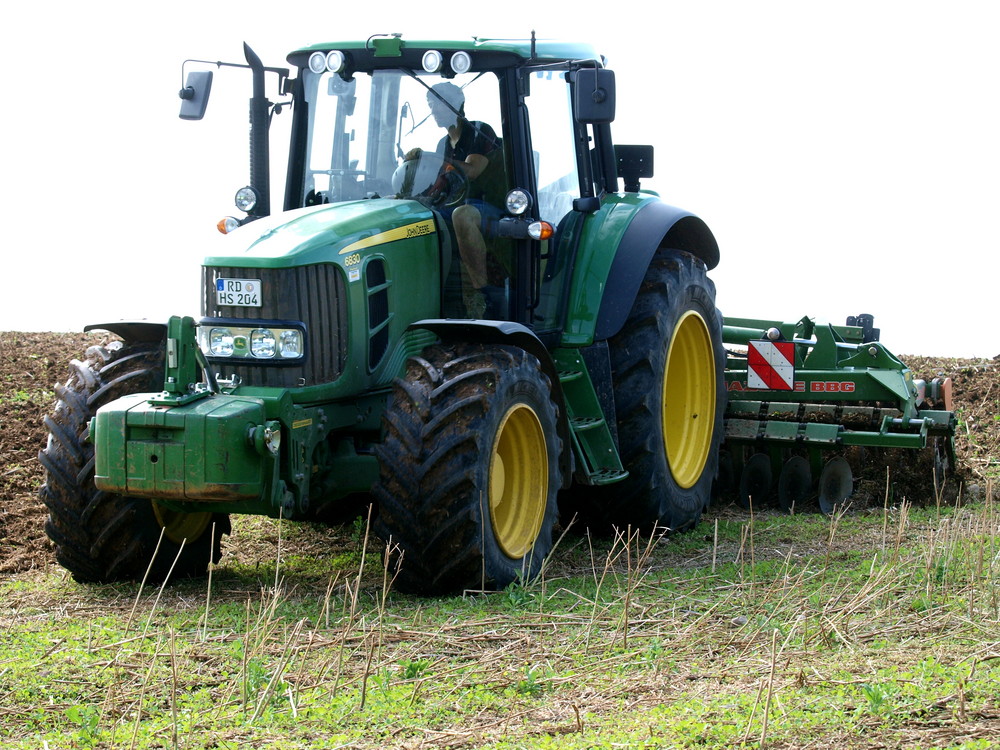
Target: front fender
512,334
133,331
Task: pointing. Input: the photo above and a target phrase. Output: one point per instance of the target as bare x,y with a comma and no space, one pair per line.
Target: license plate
238,292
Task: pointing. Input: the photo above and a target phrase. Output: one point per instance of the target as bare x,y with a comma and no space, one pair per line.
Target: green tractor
459,315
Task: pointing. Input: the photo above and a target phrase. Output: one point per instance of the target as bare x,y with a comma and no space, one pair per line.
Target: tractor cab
507,143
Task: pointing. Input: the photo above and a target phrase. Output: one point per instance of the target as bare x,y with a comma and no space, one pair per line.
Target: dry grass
863,630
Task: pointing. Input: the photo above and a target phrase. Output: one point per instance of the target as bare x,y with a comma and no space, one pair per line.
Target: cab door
566,190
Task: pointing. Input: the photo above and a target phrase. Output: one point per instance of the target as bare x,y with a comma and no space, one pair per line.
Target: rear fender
655,226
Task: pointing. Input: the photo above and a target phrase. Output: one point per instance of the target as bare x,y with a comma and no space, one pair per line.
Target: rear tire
99,536
468,471
668,371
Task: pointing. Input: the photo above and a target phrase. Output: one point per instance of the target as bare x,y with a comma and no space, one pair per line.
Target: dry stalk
747,537
361,565
208,592
835,518
173,687
324,613
259,630
628,589
636,571
902,525
163,585
740,556
770,688
715,545
350,596
277,550
142,695
244,670
548,558
885,510
279,670
598,587
299,676
145,577
753,713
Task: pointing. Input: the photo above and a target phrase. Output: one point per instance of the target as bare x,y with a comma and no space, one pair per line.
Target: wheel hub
178,527
688,399
518,481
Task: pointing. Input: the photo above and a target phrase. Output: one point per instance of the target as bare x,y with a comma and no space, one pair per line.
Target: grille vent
378,312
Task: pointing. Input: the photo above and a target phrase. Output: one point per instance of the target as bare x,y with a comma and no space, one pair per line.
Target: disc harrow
807,399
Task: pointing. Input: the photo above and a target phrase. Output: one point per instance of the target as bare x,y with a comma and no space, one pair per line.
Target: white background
846,155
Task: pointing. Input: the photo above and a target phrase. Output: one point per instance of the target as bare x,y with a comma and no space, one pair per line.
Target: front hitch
185,363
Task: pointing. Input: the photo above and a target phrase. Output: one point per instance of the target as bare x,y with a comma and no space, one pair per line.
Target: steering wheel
431,179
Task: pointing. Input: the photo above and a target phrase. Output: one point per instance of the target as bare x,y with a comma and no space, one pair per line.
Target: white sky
846,155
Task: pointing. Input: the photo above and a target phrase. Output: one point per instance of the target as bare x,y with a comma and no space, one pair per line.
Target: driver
468,146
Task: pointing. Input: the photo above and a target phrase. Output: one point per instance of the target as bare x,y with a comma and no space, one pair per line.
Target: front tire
469,469
667,369
99,536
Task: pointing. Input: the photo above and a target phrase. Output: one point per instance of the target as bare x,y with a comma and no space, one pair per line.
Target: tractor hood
322,234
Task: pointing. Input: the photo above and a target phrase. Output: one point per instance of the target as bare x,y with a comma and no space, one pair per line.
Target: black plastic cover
595,96
194,95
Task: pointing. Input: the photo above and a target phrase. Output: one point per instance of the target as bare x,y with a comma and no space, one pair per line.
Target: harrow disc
794,483
755,482
836,483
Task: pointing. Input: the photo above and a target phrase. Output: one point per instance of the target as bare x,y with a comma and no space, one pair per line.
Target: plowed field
31,364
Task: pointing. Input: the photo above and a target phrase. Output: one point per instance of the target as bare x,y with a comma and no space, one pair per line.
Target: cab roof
387,48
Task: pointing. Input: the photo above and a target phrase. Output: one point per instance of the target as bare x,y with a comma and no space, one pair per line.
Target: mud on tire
667,368
99,536
468,471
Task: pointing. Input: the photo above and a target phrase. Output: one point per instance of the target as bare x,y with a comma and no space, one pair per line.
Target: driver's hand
444,184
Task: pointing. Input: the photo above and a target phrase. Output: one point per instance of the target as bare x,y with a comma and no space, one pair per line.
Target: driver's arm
474,165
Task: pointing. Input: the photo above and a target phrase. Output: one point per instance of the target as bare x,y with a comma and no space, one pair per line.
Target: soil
31,364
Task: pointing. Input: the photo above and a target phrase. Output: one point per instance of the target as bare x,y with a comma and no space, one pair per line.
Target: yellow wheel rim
518,481
688,399
180,526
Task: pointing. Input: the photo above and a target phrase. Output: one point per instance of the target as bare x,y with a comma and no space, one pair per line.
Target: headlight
461,62
220,342
317,62
290,344
263,344
335,61
518,201
432,60
254,342
246,199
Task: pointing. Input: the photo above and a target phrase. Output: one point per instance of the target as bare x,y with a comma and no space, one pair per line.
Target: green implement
811,390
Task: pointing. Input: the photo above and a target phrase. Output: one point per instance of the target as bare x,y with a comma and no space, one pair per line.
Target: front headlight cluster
281,344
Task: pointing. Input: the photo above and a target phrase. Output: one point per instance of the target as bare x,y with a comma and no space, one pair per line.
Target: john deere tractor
371,342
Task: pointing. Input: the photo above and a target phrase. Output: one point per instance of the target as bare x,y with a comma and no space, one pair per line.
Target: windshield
361,130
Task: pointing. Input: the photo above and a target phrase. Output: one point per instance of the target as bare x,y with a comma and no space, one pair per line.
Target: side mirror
594,101
194,95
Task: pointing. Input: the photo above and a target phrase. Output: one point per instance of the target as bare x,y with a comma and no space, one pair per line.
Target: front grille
314,295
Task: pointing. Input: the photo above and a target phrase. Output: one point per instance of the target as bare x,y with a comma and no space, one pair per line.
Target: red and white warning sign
771,365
